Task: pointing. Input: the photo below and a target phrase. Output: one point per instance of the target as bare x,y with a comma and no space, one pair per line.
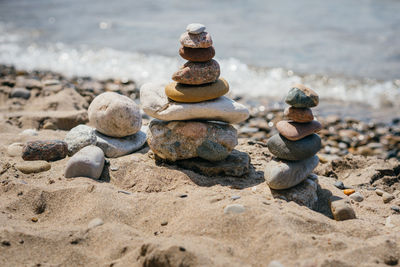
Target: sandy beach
146,212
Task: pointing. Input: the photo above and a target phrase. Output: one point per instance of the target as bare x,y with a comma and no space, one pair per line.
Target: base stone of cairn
192,126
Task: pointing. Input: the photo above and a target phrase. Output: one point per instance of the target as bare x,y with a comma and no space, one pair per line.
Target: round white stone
115,115
195,28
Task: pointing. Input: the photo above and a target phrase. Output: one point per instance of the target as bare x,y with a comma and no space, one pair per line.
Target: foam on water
246,80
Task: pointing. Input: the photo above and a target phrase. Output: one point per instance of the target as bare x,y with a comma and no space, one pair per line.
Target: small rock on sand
234,208
357,196
48,150
386,197
341,209
95,222
87,162
79,137
33,166
15,149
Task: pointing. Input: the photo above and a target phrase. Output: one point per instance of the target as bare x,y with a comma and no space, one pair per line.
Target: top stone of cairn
302,97
195,28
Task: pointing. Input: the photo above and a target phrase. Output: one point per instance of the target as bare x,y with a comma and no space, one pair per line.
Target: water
345,49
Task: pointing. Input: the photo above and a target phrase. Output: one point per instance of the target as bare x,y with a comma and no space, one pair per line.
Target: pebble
117,147
197,54
124,192
299,114
295,131
164,223
294,150
29,132
196,73
33,166
201,40
95,223
87,162
20,93
235,197
379,192
357,196
286,174
195,94
395,208
155,103
386,197
195,28
177,140
79,137
275,264
339,184
114,168
115,115
348,192
300,96
15,149
234,209
49,150
341,209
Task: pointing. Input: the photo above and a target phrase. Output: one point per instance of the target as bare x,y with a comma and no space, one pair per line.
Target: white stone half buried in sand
156,104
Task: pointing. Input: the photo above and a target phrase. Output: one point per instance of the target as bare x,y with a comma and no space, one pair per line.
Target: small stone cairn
185,108
296,144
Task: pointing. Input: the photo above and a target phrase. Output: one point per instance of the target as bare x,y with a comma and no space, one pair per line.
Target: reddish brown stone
296,131
197,54
48,150
201,40
299,114
197,72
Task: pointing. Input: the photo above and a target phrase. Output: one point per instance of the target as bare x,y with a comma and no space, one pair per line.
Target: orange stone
348,192
295,131
299,114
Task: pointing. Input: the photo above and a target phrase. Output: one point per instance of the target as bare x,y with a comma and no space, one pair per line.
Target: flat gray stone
281,174
79,137
156,104
304,194
20,93
116,147
236,164
87,162
234,208
357,197
195,28
301,149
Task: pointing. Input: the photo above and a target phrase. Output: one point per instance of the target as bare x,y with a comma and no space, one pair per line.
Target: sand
153,214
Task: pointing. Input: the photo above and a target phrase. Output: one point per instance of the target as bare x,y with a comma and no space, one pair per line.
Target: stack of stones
296,144
117,122
185,107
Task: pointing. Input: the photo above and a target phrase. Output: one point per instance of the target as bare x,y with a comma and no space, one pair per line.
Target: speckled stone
299,114
48,150
178,140
302,97
196,73
79,137
197,54
196,93
115,115
195,28
295,131
294,150
202,40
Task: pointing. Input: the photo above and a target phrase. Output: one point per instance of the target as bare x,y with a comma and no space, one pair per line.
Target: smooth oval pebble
299,114
295,131
115,115
201,40
49,150
79,137
195,28
33,166
197,73
197,54
20,93
281,174
357,197
87,162
304,148
300,96
234,209
195,94
15,149
155,103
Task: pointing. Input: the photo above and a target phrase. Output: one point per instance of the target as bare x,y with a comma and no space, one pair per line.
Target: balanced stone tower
296,144
192,114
